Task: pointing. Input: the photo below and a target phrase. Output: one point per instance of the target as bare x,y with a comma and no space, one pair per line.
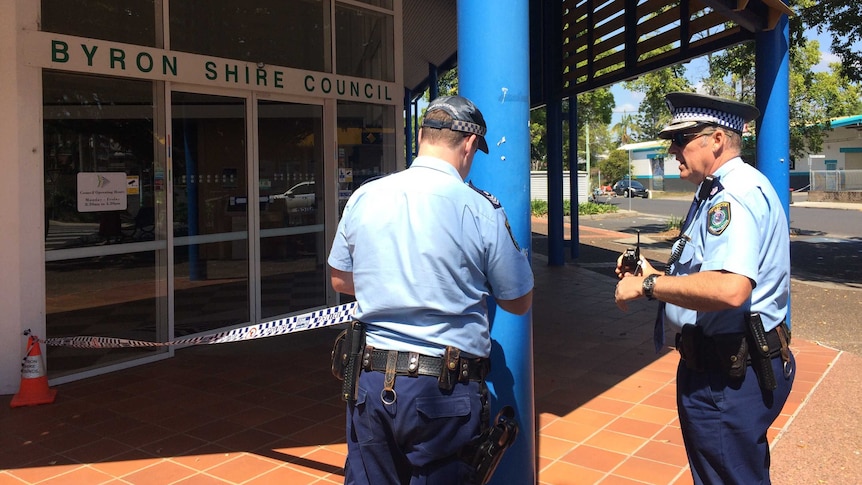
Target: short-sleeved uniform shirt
741,228
425,250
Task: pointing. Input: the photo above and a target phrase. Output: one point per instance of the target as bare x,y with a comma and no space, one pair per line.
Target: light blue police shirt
742,229
425,250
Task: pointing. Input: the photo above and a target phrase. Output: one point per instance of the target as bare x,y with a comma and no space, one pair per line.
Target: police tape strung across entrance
306,321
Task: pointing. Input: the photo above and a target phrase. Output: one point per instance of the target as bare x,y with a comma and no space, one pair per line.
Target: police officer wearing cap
724,294
422,251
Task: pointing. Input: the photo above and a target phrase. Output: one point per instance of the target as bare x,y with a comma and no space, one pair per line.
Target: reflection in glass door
211,212
290,168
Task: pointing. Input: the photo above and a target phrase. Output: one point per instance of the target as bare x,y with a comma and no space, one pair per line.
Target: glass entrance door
245,252
210,212
290,180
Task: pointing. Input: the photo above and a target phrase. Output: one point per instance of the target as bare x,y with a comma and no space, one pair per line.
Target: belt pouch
353,348
732,352
691,347
339,355
759,352
451,358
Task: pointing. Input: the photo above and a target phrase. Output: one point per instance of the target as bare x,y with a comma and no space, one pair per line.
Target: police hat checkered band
707,115
456,125
691,109
467,127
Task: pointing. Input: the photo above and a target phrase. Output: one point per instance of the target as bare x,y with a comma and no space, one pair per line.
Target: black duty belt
415,364
709,350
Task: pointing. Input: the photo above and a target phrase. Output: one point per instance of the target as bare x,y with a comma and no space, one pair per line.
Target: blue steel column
573,177
772,62
433,88
772,84
408,125
552,68
493,68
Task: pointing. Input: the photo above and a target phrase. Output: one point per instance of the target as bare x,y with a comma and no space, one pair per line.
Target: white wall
539,186
22,289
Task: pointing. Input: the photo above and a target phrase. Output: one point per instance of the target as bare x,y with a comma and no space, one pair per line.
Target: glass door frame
251,99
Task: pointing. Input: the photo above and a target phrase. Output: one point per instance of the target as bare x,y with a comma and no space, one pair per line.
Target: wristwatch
648,285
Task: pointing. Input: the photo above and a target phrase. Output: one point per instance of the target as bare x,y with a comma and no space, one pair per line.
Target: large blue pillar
772,61
772,90
493,71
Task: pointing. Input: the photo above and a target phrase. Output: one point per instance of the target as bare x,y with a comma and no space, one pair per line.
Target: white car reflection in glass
299,196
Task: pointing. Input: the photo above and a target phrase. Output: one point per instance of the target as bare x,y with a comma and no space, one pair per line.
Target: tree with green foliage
843,20
652,112
595,110
626,130
616,166
815,97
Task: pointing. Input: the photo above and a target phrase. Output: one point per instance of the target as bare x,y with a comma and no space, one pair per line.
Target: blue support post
573,177
493,68
552,66
772,95
556,251
433,89
772,61
408,125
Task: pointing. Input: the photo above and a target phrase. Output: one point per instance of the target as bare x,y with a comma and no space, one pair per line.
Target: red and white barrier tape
282,326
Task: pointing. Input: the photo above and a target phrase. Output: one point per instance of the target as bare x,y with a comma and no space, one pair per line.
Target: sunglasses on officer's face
683,139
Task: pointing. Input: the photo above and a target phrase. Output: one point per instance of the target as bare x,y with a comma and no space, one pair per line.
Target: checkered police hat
690,109
466,117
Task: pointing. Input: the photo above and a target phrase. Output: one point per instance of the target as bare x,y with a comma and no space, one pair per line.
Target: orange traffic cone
34,383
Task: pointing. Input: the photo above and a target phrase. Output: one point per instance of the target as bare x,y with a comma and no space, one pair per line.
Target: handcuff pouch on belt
727,352
347,356
484,453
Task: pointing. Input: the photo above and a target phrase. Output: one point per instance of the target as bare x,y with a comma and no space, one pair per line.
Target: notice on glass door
102,191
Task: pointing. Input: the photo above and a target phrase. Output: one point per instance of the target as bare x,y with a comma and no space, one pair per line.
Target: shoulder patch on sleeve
719,218
493,200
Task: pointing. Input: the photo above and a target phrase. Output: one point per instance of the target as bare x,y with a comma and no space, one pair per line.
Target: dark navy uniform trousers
416,439
724,423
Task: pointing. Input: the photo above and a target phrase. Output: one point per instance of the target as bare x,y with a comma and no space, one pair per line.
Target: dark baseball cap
466,117
691,109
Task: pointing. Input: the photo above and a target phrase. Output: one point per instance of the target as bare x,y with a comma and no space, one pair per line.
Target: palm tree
626,130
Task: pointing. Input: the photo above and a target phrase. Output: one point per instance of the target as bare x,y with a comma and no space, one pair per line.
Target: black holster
761,361
347,359
484,453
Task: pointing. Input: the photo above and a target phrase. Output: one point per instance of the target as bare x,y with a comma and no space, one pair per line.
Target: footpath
822,443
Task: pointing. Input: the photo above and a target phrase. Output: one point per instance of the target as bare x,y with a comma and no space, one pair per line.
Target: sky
628,102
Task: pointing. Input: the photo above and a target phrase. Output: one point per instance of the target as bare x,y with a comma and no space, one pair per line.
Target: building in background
153,154
837,167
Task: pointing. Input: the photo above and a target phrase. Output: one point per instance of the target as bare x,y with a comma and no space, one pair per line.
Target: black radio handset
631,262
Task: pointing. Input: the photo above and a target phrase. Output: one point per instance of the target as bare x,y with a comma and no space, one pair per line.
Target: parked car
630,188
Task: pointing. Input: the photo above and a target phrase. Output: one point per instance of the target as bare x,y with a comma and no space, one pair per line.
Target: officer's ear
472,143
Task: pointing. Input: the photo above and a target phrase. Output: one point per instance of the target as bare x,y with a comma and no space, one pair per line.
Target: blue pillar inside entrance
772,61
493,71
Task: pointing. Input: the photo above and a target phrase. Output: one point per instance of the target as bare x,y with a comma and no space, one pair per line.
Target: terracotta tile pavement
268,411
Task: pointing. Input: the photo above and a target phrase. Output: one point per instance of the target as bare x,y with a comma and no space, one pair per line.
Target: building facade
836,167
175,168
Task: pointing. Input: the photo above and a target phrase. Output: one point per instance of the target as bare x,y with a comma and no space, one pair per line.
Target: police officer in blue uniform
422,251
724,294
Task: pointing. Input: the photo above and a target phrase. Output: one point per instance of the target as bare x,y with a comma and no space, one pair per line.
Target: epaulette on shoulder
493,200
